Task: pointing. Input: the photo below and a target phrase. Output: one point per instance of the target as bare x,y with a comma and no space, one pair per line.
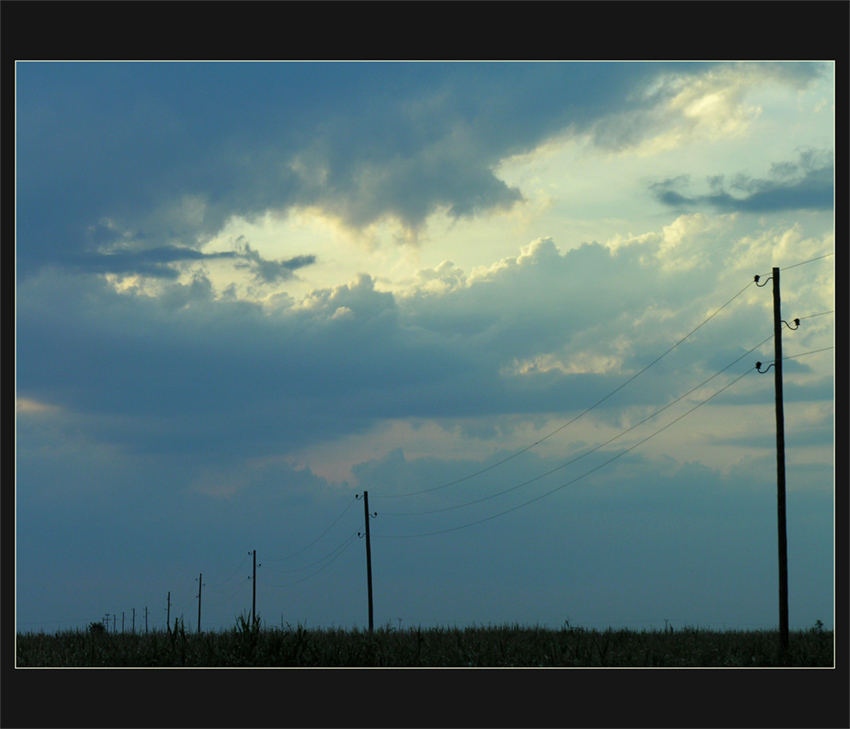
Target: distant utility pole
200,586
168,610
133,624
254,598
780,459
368,557
146,618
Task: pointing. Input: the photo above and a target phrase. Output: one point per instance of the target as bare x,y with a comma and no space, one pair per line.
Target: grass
249,645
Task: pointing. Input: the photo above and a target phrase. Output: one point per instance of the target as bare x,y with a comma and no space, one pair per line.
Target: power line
596,468
231,593
812,316
339,549
801,263
802,354
570,422
578,478
218,584
814,351
313,564
295,554
825,255
586,453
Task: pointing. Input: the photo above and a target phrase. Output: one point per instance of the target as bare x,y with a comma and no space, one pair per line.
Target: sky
514,303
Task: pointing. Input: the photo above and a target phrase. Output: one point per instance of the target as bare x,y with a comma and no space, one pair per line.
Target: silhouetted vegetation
247,644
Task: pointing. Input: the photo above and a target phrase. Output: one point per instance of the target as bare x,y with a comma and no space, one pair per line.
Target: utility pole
368,557
122,621
254,599
780,460
146,618
780,467
168,610
133,624
200,586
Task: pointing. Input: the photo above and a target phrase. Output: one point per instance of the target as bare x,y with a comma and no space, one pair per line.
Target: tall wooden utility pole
780,467
780,459
200,585
254,600
168,610
368,557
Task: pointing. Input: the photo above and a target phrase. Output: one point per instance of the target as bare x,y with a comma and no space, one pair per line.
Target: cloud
163,262
806,184
192,372
235,391
140,145
686,102
25,406
154,262
193,363
267,271
686,243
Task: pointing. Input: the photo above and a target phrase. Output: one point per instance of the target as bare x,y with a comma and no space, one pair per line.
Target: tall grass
247,644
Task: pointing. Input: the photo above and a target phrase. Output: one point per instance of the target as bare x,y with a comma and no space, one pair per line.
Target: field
248,645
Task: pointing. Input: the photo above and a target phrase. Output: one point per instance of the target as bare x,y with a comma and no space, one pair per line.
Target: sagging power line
588,452
330,559
319,561
304,549
802,263
580,415
578,478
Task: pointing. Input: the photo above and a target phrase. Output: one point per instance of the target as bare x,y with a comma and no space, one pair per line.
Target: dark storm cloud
269,271
159,262
209,371
154,262
188,372
807,184
127,141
